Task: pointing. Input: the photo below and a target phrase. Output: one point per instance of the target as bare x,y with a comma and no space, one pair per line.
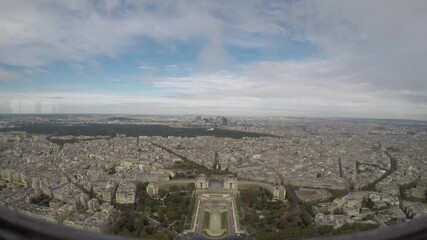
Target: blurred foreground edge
16,226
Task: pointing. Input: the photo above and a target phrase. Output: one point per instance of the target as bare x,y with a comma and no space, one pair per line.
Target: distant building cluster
347,170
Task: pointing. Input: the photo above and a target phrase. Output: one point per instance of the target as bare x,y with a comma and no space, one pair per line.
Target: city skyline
253,58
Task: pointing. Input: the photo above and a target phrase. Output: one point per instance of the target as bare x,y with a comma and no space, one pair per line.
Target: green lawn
224,218
206,220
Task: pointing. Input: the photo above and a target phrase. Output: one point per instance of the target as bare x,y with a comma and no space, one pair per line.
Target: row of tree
132,224
268,219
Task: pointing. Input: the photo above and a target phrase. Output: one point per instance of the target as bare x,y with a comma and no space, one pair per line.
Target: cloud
146,67
369,57
7,76
201,84
171,67
291,88
311,88
214,56
375,35
5,105
381,41
39,33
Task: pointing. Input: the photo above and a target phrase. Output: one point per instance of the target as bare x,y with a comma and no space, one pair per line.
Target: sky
308,58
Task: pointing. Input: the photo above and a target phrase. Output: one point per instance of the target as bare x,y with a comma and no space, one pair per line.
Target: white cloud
214,83
290,88
370,62
171,67
7,76
382,41
147,67
316,87
37,33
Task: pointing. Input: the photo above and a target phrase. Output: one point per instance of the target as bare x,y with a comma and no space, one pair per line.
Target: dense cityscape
261,178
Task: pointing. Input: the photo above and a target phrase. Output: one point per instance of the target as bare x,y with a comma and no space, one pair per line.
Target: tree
325,229
338,211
